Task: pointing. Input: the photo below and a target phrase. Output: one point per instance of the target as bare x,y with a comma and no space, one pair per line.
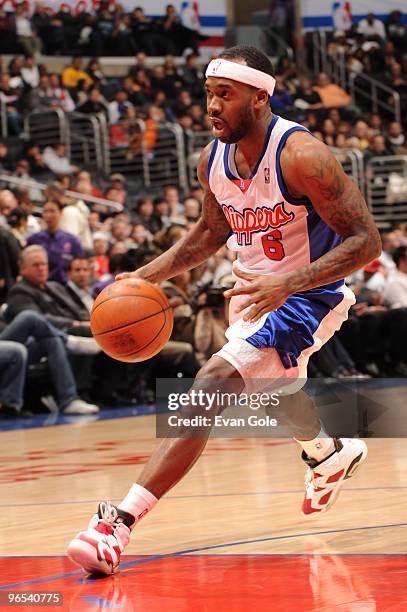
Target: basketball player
299,225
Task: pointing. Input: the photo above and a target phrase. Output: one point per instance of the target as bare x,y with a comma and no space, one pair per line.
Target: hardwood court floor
230,537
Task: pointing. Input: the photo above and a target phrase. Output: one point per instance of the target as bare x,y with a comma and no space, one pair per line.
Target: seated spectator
135,94
59,245
94,104
117,182
171,194
281,100
26,36
377,148
72,74
13,365
329,132
78,285
140,236
6,159
24,202
101,259
396,139
49,298
118,262
372,28
95,72
13,103
18,222
339,45
332,96
395,293
26,340
8,202
396,31
192,75
144,215
306,97
42,97
56,160
30,72
9,254
118,107
60,95
33,156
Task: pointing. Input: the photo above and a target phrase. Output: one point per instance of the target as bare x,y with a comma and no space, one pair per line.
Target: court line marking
151,558
201,495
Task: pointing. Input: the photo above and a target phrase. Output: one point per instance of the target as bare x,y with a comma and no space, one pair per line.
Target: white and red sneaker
97,550
324,479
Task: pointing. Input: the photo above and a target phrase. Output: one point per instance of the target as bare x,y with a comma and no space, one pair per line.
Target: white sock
138,502
320,447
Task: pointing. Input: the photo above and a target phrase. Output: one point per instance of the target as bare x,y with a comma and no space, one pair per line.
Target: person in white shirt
372,27
395,293
78,286
57,161
30,72
25,35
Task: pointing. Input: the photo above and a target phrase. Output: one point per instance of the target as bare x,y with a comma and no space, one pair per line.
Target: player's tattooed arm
310,169
205,238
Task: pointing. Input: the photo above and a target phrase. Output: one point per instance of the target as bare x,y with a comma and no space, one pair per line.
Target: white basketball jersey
271,230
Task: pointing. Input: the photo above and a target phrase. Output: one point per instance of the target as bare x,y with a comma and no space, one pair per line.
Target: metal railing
14,181
352,164
386,188
3,116
195,142
85,139
46,128
381,97
361,87
155,155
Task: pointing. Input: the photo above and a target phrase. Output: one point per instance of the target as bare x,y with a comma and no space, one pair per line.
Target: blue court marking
99,601
198,496
179,553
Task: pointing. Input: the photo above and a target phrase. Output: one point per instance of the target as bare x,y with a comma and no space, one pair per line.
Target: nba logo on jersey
267,175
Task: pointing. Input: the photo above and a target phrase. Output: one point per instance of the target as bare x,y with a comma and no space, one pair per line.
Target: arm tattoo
338,201
326,177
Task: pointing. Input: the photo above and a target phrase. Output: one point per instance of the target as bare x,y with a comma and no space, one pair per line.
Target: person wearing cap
374,276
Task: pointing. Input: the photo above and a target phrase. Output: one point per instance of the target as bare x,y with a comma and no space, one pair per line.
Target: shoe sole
351,471
82,554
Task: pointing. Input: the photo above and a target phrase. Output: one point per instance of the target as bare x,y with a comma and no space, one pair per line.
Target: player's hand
265,293
124,275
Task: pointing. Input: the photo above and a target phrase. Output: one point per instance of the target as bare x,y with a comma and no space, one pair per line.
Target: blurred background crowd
62,244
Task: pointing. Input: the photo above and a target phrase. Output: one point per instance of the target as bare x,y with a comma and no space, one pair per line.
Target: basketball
131,320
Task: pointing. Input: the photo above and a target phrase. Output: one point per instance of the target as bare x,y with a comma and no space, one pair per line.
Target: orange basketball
131,320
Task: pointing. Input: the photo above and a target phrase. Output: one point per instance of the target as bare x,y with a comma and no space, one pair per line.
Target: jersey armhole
211,158
280,179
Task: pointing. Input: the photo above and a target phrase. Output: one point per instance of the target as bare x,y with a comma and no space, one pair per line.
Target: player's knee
217,369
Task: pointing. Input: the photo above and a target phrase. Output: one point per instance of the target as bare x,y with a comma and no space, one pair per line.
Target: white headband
239,72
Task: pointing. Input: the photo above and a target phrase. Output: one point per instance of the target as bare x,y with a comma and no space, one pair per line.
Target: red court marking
226,583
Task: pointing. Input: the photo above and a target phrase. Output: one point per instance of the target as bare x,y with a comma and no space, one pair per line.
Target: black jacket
53,301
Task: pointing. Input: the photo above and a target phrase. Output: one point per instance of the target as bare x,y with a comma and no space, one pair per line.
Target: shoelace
311,480
108,512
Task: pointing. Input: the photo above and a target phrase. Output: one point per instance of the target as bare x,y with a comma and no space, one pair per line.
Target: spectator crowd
58,250
106,30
